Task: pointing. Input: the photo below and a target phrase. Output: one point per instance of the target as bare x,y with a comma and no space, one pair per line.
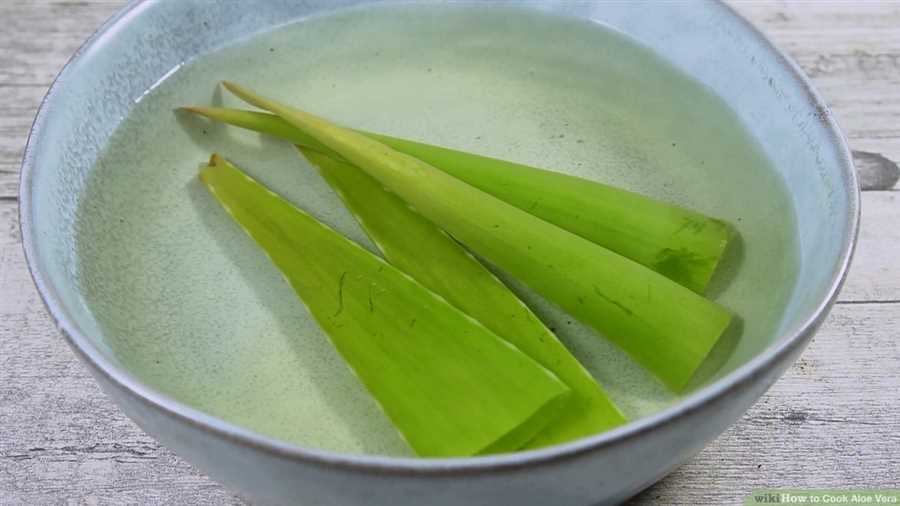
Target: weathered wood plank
830,422
18,105
39,37
36,40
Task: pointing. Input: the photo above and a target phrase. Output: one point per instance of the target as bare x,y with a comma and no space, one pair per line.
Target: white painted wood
832,421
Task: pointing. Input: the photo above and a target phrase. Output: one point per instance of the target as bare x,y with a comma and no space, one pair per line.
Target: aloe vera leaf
664,326
680,244
421,249
450,386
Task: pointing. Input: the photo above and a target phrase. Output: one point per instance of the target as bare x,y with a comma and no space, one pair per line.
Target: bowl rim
740,378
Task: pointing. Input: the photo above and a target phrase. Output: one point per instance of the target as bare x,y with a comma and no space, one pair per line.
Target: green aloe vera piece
451,386
664,326
421,249
680,244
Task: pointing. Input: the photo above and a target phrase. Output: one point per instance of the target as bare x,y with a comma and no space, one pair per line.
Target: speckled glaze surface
138,47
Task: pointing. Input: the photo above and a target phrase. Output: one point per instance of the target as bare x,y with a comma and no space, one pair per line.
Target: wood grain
832,421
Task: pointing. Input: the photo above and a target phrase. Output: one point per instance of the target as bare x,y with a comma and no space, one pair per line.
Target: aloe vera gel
188,302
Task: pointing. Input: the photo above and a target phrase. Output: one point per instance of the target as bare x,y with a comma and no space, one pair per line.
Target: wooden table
832,421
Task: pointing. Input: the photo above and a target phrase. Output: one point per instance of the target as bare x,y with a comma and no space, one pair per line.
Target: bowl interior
137,258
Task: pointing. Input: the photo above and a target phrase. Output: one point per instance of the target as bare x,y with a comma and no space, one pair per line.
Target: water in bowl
190,305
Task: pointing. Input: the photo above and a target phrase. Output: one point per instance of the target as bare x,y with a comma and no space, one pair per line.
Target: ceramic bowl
705,39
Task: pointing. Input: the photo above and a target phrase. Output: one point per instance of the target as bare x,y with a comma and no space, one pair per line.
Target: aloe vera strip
421,249
449,384
664,326
681,244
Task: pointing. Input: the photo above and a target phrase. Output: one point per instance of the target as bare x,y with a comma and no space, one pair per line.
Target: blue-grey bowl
705,39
